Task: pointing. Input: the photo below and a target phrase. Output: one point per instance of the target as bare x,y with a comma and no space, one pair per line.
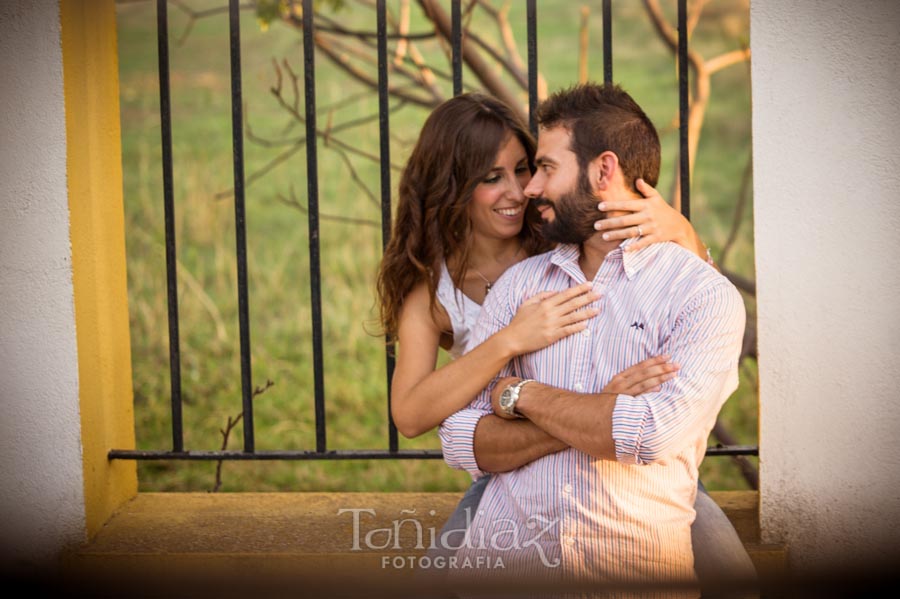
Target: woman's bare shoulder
417,306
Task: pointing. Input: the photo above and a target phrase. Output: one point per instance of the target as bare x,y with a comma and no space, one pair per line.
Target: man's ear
601,171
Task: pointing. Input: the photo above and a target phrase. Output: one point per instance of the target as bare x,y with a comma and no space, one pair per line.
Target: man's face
561,190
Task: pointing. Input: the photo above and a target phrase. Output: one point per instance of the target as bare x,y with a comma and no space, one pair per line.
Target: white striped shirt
576,516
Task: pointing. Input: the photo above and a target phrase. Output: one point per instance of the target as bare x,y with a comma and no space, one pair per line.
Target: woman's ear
602,169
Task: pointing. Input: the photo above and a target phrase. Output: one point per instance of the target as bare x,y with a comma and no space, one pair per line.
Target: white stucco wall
826,125
41,489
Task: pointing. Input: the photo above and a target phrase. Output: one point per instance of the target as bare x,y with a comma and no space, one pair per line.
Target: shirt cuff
458,440
628,420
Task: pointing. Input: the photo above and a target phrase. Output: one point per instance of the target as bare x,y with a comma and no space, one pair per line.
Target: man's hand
498,389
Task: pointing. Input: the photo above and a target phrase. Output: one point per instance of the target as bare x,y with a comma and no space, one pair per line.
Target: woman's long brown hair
456,149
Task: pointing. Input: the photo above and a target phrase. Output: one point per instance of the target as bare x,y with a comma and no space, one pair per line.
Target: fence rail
322,452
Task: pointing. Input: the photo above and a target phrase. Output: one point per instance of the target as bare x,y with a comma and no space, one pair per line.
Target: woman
462,220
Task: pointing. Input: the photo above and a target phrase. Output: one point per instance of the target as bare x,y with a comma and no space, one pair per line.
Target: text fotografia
502,535
440,562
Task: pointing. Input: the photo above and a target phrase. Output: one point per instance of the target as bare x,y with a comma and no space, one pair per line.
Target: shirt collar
566,257
633,262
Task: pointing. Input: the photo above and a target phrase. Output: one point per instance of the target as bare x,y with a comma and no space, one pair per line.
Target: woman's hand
651,219
548,317
643,377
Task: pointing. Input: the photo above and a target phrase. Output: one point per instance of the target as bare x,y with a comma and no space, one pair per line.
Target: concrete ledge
309,536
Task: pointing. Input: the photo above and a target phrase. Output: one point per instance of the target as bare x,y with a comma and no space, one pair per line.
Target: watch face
506,398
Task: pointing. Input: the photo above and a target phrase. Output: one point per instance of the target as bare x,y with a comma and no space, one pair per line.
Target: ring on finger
640,232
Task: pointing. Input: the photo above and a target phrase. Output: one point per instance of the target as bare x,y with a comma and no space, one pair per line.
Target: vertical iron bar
456,45
312,190
531,14
240,220
683,110
165,117
607,42
385,140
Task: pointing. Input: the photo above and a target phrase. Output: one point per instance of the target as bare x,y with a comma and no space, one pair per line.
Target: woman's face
497,209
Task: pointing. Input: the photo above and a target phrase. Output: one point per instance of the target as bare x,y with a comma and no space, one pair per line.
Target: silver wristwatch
510,396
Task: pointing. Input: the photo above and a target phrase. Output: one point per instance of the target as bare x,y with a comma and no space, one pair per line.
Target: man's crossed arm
554,419
639,429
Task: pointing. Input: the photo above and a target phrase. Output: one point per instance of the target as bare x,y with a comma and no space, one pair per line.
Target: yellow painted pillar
97,220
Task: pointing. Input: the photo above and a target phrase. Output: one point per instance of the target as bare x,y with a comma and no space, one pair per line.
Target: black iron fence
178,452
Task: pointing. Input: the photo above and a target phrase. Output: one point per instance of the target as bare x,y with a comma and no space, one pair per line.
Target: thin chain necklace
487,282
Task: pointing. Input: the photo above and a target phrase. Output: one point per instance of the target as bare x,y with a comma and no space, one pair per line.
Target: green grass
277,239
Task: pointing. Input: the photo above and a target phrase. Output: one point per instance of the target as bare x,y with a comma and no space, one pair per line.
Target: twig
342,61
297,144
403,29
703,69
515,64
255,176
473,60
226,433
295,203
194,15
693,15
743,198
741,282
365,54
355,176
697,105
716,64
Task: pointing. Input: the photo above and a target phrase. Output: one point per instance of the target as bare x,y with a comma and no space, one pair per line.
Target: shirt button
579,387
567,489
586,333
570,540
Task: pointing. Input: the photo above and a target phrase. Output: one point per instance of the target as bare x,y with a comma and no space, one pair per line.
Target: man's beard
574,214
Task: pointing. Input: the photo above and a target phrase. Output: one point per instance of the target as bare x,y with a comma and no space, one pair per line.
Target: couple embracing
586,379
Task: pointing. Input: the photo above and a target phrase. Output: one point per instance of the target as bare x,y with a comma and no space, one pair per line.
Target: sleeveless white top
463,311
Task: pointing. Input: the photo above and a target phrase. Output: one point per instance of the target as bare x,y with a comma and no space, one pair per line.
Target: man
593,487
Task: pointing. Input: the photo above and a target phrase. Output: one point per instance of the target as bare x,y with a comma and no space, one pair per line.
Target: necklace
487,282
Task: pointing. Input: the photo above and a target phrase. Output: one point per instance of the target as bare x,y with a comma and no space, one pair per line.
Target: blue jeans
719,554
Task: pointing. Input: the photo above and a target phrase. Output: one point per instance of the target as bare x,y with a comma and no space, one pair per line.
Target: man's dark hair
605,118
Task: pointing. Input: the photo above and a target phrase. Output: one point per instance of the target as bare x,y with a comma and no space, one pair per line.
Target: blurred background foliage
569,47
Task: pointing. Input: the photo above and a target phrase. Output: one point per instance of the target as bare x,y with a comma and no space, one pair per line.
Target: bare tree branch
738,219
470,56
341,60
403,29
226,433
293,202
697,109
515,65
583,46
194,15
716,64
693,16
425,75
346,160
701,81
741,282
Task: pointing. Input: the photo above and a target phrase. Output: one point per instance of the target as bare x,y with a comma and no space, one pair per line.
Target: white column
826,125
41,484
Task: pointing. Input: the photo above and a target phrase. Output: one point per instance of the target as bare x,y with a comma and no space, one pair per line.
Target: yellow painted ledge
97,230
301,537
